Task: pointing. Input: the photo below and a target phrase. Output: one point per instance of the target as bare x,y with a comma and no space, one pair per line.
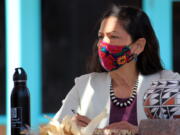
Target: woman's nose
106,39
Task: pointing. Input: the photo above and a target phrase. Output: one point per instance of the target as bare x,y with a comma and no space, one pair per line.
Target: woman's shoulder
164,75
91,76
169,74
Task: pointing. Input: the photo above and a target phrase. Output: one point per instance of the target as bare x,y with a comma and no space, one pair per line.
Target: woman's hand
123,125
81,120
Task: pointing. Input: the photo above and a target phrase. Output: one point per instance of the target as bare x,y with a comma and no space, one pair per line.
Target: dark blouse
124,114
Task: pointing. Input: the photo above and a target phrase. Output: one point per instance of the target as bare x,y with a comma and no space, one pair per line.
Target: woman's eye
114,36
100,37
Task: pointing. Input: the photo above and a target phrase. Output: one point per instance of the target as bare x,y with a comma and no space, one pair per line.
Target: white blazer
91,95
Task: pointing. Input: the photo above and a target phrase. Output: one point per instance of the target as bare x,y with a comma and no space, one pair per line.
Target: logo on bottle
16,117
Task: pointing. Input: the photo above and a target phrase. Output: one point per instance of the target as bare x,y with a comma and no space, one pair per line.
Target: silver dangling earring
135,57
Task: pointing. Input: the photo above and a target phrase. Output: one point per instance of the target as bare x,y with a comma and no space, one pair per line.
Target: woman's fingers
123,125
115,126
81,120
135,129
81,124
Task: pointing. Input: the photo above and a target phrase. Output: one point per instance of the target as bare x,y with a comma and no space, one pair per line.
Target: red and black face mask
113,57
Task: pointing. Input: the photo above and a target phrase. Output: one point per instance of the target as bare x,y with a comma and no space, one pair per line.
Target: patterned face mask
113,57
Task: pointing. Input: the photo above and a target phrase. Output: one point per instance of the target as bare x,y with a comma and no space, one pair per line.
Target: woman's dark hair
138,25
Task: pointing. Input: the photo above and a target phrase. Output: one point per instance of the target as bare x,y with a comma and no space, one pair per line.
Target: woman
125,62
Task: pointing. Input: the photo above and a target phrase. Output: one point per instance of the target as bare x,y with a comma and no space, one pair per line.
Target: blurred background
56,42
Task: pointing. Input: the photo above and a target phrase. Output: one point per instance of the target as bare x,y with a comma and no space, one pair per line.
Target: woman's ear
141,42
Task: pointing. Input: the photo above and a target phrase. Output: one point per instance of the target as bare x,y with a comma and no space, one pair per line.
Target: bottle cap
20,74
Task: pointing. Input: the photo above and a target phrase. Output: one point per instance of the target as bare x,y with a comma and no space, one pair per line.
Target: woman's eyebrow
115,32
109,32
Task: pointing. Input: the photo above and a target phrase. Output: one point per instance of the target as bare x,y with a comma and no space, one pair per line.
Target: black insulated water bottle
20,103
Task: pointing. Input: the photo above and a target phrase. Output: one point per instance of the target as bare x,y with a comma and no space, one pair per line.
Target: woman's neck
127,74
